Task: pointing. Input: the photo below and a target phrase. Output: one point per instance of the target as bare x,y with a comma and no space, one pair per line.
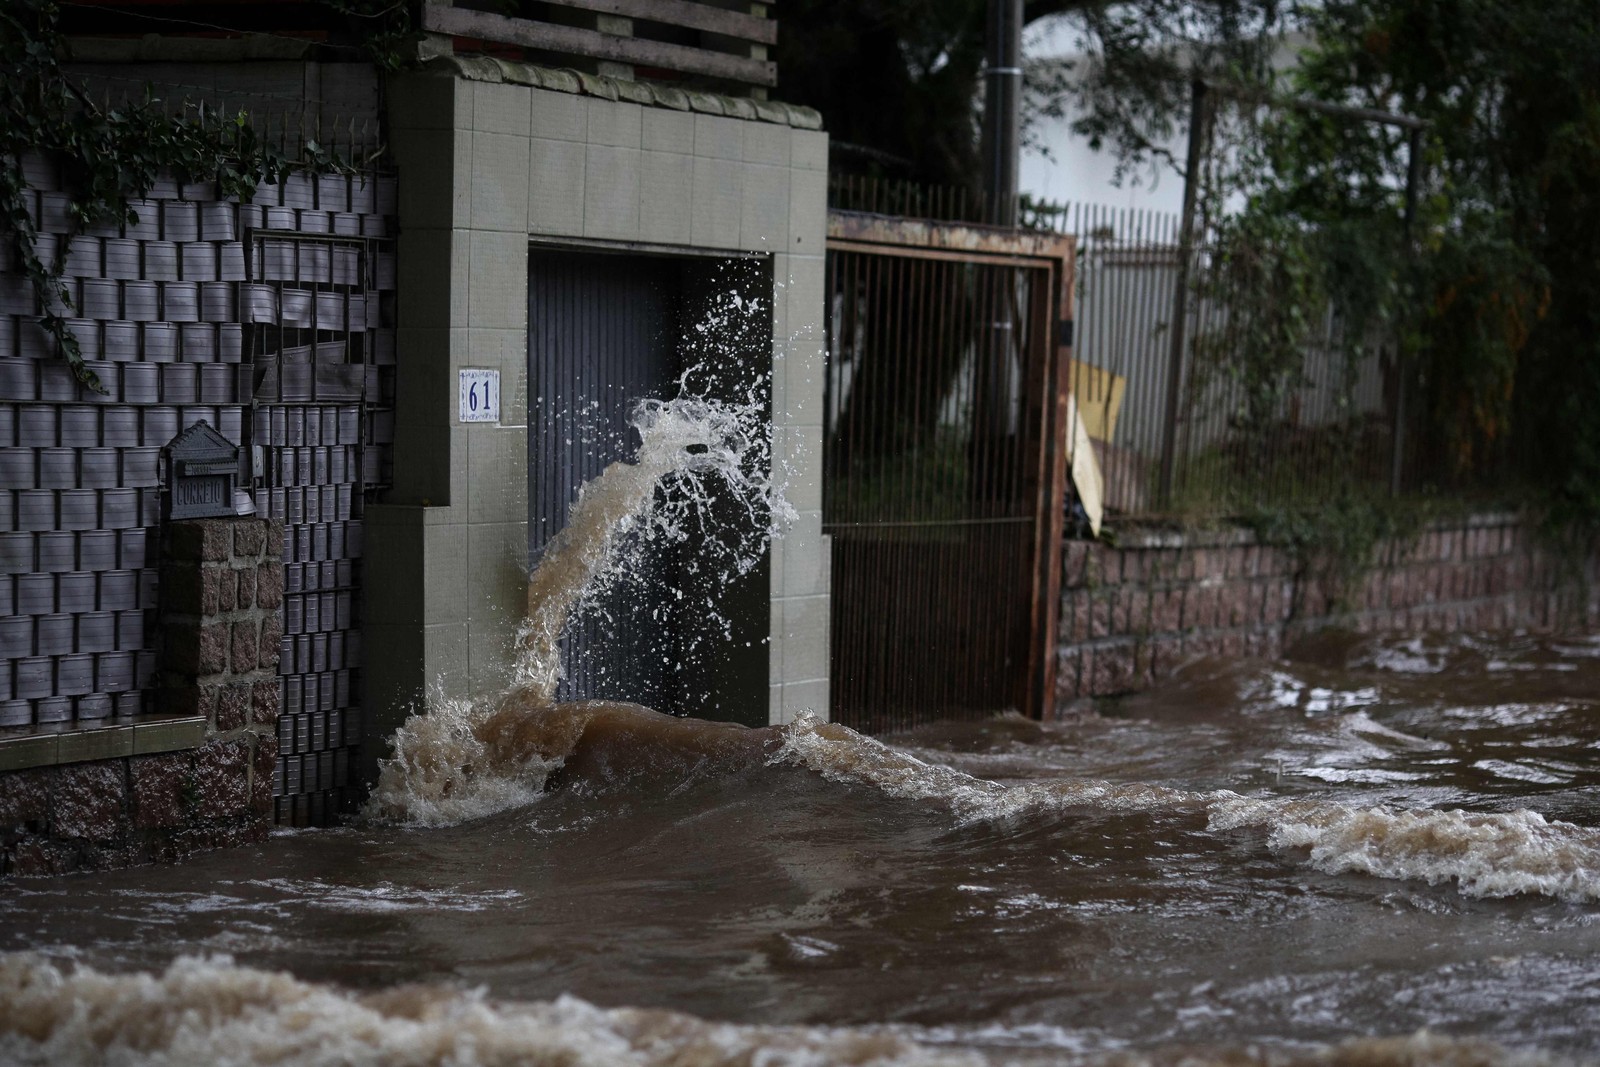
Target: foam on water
840,754
212,1011
1422,1049
1486,855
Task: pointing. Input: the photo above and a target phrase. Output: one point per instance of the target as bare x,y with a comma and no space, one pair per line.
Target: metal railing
884,196
1240,436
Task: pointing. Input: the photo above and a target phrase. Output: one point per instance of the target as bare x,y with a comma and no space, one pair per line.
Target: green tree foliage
110,157
899,82
1129,91
1503,321
1497,312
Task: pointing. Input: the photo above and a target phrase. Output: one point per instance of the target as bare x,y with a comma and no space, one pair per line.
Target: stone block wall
198,774
160,807
1132,614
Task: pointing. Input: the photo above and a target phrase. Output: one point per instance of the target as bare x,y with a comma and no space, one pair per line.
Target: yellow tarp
1099,395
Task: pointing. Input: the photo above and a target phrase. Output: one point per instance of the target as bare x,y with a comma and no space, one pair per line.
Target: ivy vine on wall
110,157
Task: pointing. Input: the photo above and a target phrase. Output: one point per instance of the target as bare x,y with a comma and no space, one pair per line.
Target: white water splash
441,773
695,451
699,458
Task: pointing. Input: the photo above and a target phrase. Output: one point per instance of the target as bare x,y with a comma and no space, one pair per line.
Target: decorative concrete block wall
203,308
493,156
198,776
1133,614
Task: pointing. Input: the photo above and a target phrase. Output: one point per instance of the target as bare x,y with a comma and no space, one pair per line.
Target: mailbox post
203,471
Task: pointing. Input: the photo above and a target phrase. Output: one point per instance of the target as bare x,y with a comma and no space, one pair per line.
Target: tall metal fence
1196,427
1231,432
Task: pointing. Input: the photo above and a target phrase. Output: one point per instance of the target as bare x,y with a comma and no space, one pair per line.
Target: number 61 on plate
480,395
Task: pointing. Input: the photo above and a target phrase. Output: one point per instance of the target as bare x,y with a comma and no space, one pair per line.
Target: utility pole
1199,134
1002,111
999,365
1397,459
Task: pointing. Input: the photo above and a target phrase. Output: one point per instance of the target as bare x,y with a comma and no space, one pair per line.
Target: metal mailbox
203,471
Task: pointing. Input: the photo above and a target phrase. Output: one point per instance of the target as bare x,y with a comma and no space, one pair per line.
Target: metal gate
944,469
606,330
602,336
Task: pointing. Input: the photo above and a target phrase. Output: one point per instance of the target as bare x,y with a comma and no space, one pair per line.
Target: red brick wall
1134,613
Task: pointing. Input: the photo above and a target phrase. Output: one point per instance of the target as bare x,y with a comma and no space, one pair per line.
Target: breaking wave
444,771
513,755
212,1011
1486,855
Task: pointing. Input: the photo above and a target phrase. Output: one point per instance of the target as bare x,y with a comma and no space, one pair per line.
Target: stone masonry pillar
221,591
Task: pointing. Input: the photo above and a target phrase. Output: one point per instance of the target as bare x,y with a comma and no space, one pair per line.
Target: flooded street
468,471
1253,854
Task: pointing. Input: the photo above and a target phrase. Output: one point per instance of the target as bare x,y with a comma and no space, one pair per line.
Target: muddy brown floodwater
1308,860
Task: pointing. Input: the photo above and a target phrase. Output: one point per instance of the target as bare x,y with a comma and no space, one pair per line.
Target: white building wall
1072,172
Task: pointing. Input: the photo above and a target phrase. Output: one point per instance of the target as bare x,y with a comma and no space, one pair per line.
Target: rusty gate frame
1046,403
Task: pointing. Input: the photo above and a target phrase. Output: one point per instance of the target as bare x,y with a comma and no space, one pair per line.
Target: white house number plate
480,395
